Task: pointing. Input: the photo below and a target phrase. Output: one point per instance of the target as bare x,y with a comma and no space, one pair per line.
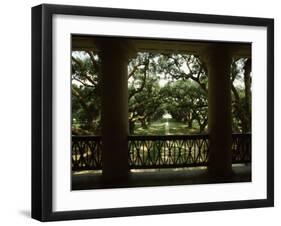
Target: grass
161,127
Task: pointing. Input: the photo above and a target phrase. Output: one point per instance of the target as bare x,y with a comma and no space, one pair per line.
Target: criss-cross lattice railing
158,151
241,147
86,153
168,151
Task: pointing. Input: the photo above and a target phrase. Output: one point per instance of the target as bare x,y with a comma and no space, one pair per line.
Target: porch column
247,83
218,59
114,79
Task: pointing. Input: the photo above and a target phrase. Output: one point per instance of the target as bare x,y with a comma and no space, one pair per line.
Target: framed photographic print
145,112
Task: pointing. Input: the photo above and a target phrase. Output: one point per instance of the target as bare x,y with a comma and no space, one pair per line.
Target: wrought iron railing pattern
86,153
241,148
168,151
158,151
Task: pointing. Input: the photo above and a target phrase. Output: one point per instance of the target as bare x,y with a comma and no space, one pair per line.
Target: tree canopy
157,84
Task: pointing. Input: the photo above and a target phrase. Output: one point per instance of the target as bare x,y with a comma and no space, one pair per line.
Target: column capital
214,50
112,45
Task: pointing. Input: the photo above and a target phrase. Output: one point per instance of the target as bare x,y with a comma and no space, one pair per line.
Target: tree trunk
247,82
189,124
131,127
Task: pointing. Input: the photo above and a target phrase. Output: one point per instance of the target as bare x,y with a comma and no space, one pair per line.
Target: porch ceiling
163,46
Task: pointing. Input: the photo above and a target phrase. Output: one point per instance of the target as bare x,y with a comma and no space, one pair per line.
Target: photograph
159,112
137,113
141,112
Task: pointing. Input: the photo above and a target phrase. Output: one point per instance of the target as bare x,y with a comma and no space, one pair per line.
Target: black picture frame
42,111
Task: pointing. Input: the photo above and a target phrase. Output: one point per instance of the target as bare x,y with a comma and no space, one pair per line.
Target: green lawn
162,127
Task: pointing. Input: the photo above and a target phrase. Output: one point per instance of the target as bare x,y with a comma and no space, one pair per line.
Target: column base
220,174
115,180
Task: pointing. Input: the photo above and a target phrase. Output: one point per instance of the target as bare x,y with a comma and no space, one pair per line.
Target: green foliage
241,95
157,84
186,101
145,102
86,102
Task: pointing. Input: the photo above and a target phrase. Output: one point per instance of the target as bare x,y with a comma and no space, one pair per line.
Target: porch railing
146,152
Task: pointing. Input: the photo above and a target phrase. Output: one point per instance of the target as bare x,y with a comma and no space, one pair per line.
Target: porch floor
84,180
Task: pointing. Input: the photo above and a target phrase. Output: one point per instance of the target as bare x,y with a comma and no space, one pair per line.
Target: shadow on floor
85,180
